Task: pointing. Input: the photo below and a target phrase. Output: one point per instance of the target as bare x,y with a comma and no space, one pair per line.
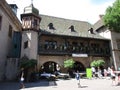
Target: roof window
72,28
50,26
91,31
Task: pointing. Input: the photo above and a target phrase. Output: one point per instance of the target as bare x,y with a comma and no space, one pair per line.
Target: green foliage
112,16
97,63
69,63
26,63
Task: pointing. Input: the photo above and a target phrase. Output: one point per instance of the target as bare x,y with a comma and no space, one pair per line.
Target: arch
50,67
78,66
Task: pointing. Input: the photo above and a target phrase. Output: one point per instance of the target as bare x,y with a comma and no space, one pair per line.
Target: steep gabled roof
99,24
7,9
62,27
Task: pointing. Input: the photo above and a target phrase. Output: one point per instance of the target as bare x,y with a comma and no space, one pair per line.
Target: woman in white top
113,76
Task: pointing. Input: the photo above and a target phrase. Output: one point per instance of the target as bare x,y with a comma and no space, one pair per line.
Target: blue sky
83,10
98,2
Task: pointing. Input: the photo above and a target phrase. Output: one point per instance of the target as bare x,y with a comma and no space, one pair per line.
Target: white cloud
83,10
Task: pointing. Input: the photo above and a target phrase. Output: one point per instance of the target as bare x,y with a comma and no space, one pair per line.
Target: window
50,26
10,31
54,44
67,43
74,43
81,44
118,44
26,18
15,46
72,28
50,44
25,44
0,22
91,31
35,22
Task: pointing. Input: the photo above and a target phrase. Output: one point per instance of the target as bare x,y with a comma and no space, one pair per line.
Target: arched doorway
78,66
50,67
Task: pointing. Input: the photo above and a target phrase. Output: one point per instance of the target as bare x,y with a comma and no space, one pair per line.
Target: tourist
109,71
93,71
22,78
77,76
118,79
112,73
105,73
99,73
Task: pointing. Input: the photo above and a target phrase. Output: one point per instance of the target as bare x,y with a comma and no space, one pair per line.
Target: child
77,76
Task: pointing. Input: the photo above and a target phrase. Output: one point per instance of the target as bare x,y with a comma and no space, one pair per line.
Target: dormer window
50,26
91,31
72,28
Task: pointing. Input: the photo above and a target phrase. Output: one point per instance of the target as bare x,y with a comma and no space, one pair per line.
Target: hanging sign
79,55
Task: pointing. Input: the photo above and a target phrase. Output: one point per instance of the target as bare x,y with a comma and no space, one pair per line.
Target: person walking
105,73
22,78
118,79
93,72
113,76
77,76
99,73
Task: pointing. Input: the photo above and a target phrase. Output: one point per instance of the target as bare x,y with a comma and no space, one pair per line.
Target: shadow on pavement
16,85
9,86
83,86
42,83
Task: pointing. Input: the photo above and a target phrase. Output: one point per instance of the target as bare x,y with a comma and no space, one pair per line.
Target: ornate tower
31,25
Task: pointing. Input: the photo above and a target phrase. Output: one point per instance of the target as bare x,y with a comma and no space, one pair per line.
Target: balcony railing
68,50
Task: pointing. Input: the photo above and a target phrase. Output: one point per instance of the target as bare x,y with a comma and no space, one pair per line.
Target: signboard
89,73
79,55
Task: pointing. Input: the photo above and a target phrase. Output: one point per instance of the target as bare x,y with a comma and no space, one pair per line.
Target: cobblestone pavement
72,84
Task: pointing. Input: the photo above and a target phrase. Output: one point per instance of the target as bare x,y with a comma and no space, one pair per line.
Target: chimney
101,15
14,8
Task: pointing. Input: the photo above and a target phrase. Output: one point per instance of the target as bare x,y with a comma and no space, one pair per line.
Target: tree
29,67
26,63
112,16
97,63
69,63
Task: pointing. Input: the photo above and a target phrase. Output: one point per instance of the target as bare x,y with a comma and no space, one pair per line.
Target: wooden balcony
69,50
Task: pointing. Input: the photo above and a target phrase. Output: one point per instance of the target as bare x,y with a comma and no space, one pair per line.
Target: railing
68,50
